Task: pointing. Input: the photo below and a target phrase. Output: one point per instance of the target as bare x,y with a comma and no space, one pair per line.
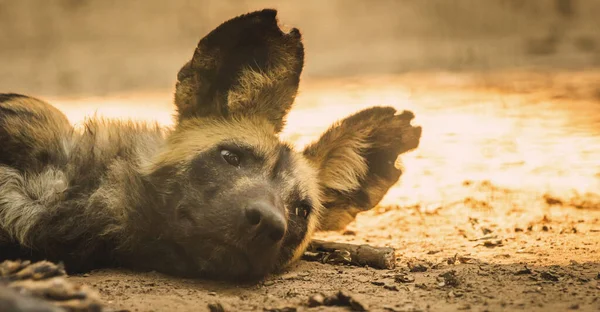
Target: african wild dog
218,195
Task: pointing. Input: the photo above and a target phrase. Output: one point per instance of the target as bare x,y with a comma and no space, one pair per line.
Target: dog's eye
231,157
303,210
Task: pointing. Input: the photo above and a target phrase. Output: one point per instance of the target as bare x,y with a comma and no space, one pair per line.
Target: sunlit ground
520,130
509,159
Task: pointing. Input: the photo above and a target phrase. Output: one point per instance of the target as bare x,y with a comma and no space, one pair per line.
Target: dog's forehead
192,137
279,160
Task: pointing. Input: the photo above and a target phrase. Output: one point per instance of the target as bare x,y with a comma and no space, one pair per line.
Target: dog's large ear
356,161
246,66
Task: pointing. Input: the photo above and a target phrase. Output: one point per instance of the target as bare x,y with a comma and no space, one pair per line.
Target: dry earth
499,208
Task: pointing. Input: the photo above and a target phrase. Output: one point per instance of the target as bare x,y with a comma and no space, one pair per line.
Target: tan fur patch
196,135
25,199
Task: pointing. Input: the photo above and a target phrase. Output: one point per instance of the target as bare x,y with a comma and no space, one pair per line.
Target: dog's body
218,195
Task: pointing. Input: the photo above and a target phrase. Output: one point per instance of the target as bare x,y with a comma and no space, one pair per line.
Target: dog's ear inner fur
356,161
246,67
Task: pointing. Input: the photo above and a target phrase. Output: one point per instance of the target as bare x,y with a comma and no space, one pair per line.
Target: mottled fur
135,195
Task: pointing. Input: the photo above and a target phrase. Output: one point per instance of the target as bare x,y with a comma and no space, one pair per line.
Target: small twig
360,255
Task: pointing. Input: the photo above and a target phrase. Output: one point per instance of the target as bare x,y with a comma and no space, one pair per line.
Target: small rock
574,306
391,287
523,271
289,276
349,232
549,276
215,307
421,286
448,279
404,278
340,299
316,300
268,283
550,200
286,309
518,229
463,259
377,283
452,260
583,279
417,267
492,243
454,294
545,228
433,252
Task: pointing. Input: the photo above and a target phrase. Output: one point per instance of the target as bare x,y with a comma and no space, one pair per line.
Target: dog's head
238,202
243,202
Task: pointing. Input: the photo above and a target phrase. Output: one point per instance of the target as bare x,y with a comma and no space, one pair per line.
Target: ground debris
524,271
45,284
403,278
491,243
452,260
338,257
402,308
215,307
417,267
285,309
339,299
549,276
350,254
486,231
551,200
386,285
484,238
465,260
448,278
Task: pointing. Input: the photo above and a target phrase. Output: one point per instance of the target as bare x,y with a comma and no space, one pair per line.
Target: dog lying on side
219,195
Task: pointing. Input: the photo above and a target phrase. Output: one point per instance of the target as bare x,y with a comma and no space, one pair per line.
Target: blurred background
506,90
101,47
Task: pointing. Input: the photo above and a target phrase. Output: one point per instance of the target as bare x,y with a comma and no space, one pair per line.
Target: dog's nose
266,220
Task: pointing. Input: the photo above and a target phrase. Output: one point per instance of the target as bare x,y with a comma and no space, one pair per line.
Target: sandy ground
499,208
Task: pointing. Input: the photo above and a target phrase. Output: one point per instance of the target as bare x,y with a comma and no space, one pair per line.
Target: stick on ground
360,255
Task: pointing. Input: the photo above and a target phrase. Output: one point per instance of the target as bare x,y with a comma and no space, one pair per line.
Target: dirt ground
498,209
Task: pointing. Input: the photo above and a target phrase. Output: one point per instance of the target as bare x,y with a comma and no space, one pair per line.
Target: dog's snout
266,220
